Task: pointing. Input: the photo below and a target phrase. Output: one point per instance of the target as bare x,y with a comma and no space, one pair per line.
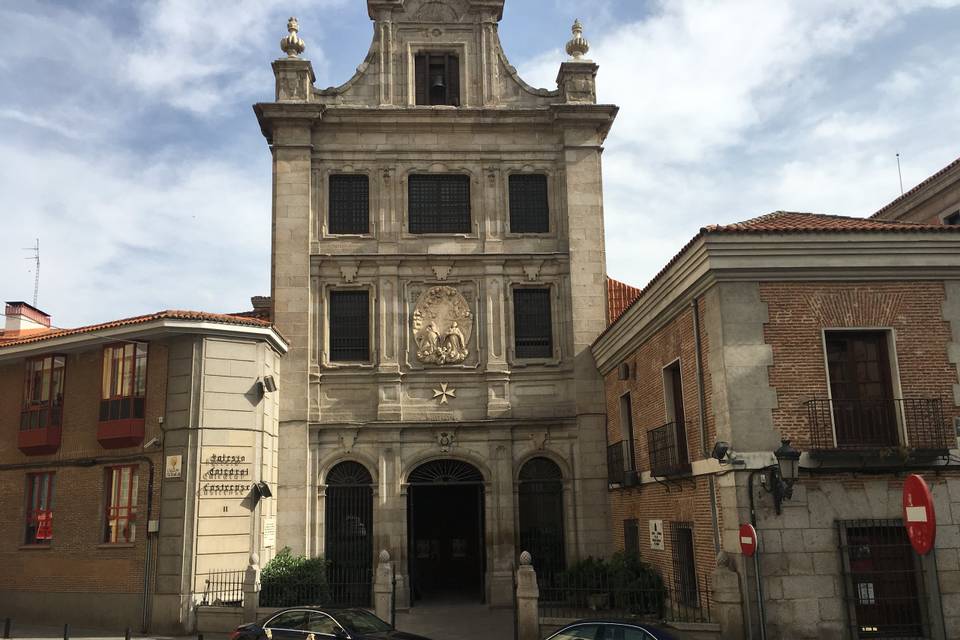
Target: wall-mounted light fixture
779,478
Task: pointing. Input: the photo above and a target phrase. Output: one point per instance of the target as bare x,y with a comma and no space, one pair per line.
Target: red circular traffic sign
918,514
748,540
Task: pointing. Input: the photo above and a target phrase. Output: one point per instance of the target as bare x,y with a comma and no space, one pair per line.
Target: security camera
152,443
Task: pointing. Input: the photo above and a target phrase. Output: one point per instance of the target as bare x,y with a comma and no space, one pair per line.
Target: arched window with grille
541,517
349,534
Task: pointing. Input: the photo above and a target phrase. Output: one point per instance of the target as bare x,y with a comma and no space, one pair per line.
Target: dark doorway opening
541,518
445,517
349,534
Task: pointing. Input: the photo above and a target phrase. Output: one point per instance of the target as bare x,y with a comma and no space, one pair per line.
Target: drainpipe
756,557
702,402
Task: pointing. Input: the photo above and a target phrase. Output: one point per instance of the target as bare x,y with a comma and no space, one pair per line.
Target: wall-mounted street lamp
780,477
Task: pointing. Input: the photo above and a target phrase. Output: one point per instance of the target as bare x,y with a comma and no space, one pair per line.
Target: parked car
610,629
299,623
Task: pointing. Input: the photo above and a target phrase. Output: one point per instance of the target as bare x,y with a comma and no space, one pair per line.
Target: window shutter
453,81
529,212
349,326
438,203
421,79
349,204
532,324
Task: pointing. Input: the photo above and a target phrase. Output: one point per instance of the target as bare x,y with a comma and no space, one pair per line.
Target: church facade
438,266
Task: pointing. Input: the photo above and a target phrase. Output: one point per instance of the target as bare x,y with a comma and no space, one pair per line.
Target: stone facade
202,401
761,358
385,413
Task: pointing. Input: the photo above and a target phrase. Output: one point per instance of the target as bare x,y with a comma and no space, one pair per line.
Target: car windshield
361,621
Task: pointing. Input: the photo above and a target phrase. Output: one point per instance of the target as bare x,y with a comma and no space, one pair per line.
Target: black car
299,623
610,629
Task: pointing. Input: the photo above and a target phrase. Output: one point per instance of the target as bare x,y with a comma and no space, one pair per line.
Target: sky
128,145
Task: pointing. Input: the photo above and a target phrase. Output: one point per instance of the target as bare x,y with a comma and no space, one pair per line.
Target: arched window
445,472
541,517
349,534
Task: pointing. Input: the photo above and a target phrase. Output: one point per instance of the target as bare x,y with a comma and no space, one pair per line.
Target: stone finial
526,559
577,47
384,556
292,44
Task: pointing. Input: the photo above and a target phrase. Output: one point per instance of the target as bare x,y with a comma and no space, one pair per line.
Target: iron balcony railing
621,469
863,425
667,448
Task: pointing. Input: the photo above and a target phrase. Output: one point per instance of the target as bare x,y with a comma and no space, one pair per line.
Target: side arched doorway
348,519
445,520
541,517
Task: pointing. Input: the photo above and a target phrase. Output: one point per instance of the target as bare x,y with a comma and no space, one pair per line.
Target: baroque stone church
438,267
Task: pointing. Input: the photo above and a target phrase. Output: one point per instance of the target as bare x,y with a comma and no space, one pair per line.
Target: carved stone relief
442,326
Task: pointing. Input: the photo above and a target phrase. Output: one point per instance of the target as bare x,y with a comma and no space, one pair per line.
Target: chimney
24,317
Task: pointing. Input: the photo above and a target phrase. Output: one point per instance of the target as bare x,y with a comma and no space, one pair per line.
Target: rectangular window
882,580
124,381
349,326
439,203
349,206
673,396
532,323
437,79
529,212
39,508
631,537
626,430
684,563
861,389
121,501
43,393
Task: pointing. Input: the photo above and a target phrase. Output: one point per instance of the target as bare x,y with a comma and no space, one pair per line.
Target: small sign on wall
656,535
174,467
270,531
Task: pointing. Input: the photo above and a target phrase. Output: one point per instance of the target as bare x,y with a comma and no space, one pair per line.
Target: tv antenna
900,174
35,249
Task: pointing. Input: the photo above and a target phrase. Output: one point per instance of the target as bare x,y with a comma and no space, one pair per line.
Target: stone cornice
730,257
269,114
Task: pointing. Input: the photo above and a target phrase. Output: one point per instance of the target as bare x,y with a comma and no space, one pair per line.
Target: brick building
128,452
840,335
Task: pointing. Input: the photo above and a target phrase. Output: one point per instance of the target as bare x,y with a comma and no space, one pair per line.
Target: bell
438,82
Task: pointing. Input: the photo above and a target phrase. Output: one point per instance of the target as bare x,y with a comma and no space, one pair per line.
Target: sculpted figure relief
442,324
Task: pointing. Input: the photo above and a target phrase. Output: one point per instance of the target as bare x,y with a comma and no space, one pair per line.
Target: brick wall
76,560
682,500
798,313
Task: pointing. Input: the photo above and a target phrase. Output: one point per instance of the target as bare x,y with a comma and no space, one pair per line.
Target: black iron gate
541,518
349,534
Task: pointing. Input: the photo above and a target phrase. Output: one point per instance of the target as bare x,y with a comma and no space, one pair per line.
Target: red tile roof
792,222
619,297
920,187
170,314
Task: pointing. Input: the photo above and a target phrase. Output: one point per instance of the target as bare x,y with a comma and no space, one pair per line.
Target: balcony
621,470
121,422
40,429
667,447
874,425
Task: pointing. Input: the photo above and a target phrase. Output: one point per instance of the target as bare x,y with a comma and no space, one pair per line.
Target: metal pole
6,627
66,632
126,634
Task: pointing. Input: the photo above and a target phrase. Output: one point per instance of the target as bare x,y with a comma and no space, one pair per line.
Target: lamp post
781,476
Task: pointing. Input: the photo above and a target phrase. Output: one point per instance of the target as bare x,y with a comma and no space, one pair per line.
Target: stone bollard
251,589
383,587
528,596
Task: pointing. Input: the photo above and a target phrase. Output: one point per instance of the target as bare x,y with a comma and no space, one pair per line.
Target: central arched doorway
445,519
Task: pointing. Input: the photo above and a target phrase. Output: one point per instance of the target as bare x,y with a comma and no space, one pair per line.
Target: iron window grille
631,536
667,450
439,203
349,326
437,79
39,525
349,205
121,512
43,393
883,580
532,323
684,563
529,210
540,494
124,382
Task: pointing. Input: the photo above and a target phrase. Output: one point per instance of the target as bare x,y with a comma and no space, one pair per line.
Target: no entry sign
918,514
748,540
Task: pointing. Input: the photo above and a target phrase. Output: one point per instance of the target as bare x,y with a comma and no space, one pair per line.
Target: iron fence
861,425
222,589
667,447
566,597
